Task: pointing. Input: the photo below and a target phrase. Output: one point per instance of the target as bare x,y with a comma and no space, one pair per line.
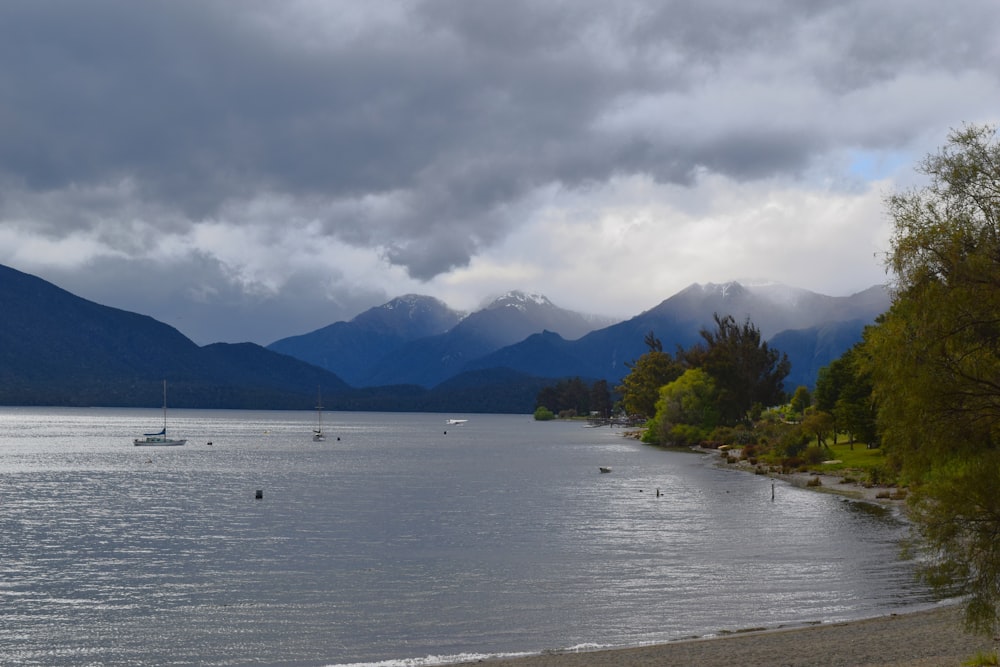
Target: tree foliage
844,389
934,360
801,399
686,410
640,389
746,371
574,396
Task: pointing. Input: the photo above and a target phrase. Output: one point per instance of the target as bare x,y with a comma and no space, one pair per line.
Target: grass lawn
858,458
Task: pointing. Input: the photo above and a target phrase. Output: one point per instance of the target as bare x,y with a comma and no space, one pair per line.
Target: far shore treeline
922,387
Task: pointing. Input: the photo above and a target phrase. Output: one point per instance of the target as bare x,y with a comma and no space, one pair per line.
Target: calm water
401,540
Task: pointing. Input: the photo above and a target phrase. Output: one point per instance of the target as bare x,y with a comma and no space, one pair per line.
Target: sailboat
318,431
159,439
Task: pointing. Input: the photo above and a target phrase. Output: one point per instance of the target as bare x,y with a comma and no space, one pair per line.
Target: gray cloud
417,128
203,300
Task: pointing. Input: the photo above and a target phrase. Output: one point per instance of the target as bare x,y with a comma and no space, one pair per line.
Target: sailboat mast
319,407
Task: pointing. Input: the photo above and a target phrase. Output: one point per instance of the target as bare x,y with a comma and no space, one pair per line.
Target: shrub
543,414
793,442
685,434
982,659
814,454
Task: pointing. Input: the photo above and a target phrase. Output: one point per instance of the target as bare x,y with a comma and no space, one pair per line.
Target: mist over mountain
412,353
678,320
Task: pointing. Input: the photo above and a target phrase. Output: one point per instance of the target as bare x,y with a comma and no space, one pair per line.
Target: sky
247,170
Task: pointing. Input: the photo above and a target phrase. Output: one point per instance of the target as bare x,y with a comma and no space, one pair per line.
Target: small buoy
260,494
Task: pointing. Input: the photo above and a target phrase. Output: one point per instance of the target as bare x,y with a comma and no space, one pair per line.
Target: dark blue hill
351,349
811,349
59,349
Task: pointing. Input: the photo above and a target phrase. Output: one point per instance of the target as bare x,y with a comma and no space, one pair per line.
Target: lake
403,541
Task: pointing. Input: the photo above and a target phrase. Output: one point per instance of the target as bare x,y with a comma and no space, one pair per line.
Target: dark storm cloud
412,127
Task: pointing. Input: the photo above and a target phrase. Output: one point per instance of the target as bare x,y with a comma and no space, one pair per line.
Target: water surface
402,540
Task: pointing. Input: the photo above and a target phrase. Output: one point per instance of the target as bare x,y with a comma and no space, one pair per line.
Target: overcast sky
246,170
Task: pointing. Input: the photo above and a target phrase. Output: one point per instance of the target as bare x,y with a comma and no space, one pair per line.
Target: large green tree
747,372
686,411
844,389
640,389
934,360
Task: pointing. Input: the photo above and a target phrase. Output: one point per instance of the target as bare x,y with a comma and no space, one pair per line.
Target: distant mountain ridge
412,353
677,321
351,349
528,334
507,320
397,350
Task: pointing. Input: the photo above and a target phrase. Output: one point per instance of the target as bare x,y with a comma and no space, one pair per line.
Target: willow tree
934,360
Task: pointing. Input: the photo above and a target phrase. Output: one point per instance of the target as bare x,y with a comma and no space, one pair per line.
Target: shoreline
827,483
920,638
926,638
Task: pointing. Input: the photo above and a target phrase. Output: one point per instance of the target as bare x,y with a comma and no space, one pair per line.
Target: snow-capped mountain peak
520,300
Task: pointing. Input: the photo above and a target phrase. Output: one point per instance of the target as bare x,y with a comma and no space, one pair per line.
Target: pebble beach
932,638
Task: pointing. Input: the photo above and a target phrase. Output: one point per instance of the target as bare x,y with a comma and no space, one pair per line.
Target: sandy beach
931,638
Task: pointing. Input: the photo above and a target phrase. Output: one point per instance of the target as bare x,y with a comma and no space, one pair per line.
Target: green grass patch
980,659
859,458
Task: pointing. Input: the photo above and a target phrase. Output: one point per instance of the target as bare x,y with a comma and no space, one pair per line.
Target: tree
640,389
818,424
600,398
844,389
934,359
572,395
746,371
800,400
686,410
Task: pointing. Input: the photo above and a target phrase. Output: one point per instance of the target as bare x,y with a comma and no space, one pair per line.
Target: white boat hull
160,439
157,441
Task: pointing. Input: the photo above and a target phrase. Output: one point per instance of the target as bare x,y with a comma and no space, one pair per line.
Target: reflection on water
402,539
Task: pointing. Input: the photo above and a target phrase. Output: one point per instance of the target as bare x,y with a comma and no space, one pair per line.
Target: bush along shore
832,475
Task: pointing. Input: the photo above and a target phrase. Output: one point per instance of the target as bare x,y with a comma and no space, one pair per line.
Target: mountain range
412,353
530,335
